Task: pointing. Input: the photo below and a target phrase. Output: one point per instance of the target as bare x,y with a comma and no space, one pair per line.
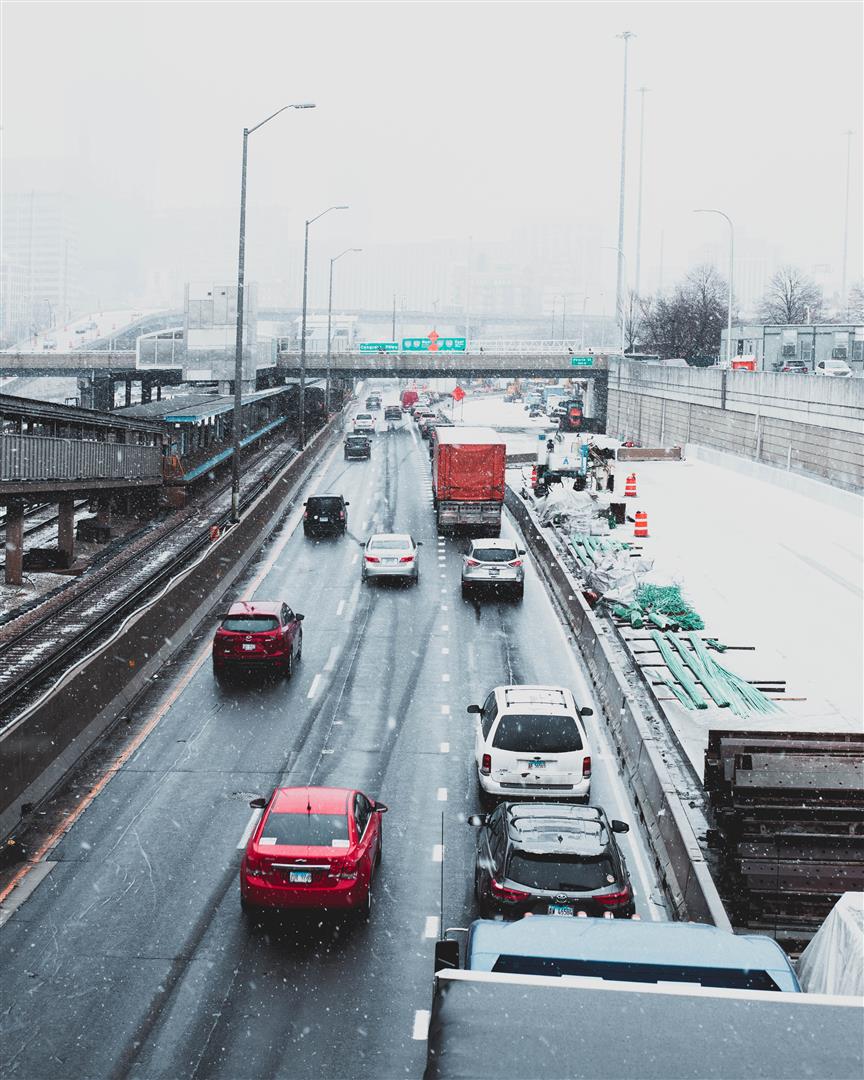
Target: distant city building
40,237
14,303
812,343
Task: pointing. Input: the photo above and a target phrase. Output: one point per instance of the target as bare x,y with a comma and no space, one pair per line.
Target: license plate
563,910
494,573
537,764
249,648
390,562
323,518
300,877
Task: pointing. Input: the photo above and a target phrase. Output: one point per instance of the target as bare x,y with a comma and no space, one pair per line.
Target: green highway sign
581,361
434,343
379,346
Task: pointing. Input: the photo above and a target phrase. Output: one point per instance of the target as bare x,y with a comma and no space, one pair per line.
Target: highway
131,957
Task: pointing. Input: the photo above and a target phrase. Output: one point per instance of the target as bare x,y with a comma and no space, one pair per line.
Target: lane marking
445,710
445,677
430,930
421,1016
444,748
445,629
340,608
438,853
354,558
250,828
331,659
313,689
35,878
442,794
444,608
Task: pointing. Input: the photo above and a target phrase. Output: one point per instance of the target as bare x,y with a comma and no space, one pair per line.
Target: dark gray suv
325,515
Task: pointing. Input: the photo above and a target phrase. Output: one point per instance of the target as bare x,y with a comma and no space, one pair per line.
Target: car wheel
487,801
299,655
363,911
518,592
417,576
466,590
380,851
218,672
363,574
288,669
251,912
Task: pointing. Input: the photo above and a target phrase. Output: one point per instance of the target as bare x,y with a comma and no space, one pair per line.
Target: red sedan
258,634
314,847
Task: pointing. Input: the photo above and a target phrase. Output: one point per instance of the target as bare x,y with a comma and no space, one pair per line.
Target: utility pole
619,288
843,301
393,324
643,90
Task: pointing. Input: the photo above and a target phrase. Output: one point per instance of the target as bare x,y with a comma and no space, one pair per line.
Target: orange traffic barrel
214,532
641,526
630,486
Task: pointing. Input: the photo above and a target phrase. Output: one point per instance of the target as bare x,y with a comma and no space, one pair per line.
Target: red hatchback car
314,847
257,635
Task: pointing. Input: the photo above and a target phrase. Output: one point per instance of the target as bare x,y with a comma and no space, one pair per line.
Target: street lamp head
304,105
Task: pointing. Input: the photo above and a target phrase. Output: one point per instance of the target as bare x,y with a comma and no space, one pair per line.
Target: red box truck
468,466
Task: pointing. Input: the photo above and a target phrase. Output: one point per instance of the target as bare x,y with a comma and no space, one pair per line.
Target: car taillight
472,562
486,764
614,898
371,558
255,865
407,558
586,768
515,562
305,514
503,893
341,515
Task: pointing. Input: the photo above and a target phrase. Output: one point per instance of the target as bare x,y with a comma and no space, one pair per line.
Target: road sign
581,361
379,346
434,343
458,394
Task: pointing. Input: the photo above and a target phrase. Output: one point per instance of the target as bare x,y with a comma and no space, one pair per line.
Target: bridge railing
45,458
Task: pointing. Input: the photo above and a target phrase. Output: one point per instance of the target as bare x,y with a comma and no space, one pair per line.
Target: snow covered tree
791,297
689,321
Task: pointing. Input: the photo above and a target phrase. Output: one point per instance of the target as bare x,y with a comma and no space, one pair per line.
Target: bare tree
791,297
633,321
855,304
687,323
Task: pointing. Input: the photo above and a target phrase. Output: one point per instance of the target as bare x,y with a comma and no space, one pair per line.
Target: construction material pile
662,606
695,674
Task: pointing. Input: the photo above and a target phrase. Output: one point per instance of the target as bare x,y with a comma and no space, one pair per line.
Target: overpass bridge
503,361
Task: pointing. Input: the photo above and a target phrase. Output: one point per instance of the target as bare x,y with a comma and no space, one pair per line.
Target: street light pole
564,317
301,435
619,290
643,90
238,348
843,301
623,260
330,324
585,300
731,279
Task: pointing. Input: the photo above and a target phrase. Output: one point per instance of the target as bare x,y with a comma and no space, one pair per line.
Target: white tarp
833,962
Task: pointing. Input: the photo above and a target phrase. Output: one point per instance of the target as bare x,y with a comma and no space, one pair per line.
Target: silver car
495,563
391,555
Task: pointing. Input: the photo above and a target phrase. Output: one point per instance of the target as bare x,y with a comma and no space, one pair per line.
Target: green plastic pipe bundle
679,670
700,666
745,697
676,690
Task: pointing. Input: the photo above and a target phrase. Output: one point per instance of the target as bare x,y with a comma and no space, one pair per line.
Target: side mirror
446,955
476,820
419,543
586,711
380,808
473,709
619,826
347,503
258,804
304,502
521,551
299,618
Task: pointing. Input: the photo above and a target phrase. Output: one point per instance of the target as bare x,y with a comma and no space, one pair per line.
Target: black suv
325,514
357,446
393,412
552,859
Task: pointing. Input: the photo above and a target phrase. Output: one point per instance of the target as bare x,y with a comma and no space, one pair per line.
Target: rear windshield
538,734
324,504
494,554
390,545
250,624
303,829
357,440
560,874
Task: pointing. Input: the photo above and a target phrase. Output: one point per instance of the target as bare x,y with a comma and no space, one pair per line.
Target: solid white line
313,689
421,1016
26,889
331,659
442,794
430,930
250,828
445,748
340,608
438,853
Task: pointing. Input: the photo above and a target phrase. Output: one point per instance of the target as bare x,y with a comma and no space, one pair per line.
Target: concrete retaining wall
39,747
678,858
810,425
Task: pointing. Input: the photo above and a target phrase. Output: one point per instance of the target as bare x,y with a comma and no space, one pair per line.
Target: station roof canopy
196,408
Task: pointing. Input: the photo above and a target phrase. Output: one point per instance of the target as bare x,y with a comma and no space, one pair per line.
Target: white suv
531,741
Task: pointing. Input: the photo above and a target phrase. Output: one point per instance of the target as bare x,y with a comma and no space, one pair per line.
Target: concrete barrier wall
40,746
810,425
678,858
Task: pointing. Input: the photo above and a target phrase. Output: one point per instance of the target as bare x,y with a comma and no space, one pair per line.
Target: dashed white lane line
430,930
444,748
355,593
331,659
445,710
340,608
445,651
445,629
313,689
445,608
421,1024
250,828
355,557
445,677
442,794
438,853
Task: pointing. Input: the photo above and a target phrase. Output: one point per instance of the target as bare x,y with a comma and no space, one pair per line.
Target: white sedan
364,421
391,555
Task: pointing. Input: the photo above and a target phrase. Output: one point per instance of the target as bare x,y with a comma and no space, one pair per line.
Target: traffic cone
640,529
534,476
630,486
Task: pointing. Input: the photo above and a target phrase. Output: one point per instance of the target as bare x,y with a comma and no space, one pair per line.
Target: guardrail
678,859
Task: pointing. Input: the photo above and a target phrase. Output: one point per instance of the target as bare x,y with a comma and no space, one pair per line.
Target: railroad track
44,523
50,641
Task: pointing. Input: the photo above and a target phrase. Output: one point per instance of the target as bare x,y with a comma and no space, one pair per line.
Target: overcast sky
439,120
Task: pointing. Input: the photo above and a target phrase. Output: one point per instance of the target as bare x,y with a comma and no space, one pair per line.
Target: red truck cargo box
469,465
407,398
